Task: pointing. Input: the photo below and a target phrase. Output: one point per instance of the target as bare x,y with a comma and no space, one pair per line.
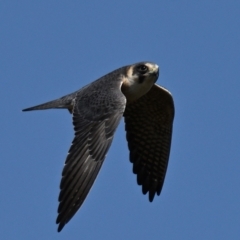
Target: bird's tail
64,102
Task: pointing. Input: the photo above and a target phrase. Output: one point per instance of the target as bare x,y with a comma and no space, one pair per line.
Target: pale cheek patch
135,86
133,89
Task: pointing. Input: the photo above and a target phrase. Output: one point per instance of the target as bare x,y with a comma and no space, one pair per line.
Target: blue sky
52,48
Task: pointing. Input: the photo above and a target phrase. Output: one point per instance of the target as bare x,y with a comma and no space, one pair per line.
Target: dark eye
142,69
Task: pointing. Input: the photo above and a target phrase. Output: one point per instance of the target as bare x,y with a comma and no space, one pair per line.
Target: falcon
97,109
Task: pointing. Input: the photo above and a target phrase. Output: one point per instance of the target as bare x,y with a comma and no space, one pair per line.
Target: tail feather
64,102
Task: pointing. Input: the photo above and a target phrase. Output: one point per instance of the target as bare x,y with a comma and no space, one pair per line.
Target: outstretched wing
148,123
94,127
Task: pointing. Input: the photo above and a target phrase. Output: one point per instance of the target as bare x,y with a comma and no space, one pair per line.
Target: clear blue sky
52,48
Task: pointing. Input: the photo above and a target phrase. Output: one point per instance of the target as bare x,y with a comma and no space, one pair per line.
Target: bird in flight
97,109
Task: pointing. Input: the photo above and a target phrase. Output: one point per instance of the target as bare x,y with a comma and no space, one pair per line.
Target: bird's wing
148,125
94,130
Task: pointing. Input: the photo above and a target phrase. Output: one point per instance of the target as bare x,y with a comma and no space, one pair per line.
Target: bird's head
139,79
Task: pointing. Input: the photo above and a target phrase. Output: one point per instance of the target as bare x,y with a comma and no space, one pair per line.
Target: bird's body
97,109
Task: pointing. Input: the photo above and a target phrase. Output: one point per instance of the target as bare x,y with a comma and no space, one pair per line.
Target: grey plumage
97,109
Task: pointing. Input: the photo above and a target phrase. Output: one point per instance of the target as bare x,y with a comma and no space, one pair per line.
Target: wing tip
60,227
151,195
60,223
27,109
